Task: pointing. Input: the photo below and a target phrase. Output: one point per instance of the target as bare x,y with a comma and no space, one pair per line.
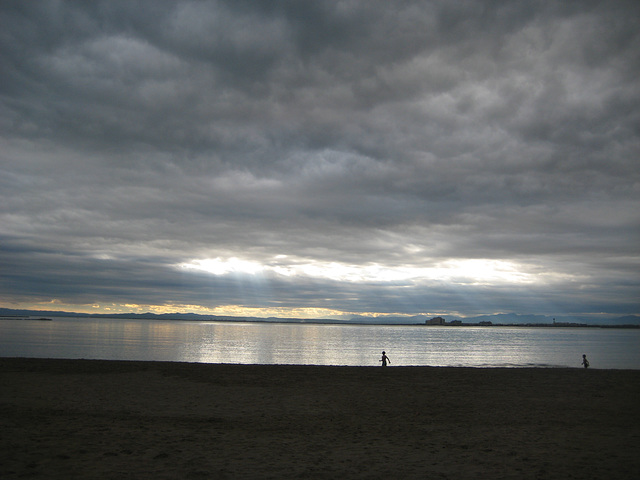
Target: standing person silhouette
585,362
384,359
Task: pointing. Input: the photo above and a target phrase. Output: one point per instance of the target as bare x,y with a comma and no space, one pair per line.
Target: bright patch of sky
462,271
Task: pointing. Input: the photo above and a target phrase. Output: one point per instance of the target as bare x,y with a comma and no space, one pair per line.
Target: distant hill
148,316
498,319
8,312
510,319
626,320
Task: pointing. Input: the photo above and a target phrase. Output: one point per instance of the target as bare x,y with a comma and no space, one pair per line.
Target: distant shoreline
316,322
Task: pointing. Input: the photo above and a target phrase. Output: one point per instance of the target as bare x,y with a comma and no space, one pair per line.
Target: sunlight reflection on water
309,344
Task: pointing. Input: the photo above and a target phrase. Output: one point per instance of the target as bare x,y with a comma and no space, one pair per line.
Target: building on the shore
435,321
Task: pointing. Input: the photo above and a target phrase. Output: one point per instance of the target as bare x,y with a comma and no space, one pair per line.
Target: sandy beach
84,419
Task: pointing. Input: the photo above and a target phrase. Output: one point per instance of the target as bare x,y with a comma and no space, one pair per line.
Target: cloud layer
317,158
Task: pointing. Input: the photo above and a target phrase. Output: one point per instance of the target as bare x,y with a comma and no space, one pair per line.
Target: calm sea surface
304,344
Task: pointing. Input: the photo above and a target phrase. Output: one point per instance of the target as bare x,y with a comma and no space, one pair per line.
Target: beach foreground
64,419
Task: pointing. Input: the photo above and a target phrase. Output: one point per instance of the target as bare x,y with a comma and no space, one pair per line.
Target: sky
320,159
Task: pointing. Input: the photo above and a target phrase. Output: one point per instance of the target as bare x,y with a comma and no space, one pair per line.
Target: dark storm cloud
139,136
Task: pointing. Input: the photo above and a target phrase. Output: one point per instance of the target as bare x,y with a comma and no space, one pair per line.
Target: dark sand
78,419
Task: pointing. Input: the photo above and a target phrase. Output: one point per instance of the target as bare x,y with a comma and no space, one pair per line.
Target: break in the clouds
320,158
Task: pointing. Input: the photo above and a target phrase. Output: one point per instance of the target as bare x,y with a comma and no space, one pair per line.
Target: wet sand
86,419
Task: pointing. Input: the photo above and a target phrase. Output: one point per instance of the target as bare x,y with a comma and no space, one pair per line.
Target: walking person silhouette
384,359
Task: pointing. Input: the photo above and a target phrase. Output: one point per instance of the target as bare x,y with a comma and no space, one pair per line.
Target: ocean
319,344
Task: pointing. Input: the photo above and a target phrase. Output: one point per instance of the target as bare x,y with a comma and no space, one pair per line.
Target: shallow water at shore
306,344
